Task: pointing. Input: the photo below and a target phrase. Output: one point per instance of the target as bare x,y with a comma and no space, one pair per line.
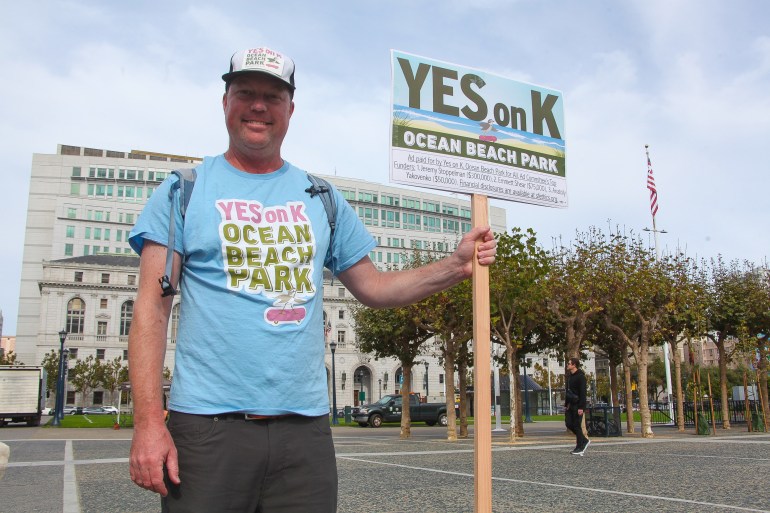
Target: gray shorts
229,464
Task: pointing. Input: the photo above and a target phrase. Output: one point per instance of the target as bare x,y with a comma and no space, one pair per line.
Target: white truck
22,394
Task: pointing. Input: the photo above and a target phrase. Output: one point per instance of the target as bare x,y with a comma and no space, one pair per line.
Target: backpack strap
323,189
185,184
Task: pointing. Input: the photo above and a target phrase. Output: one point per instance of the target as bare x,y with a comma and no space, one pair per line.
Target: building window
70,232
76,314
73,353
340,292
103,302
132,279
68,249
100,352
341,314
98,397
105,277
125,355
78,276
72,213
341,338
74,189
126,315
76,171
70,397
86,250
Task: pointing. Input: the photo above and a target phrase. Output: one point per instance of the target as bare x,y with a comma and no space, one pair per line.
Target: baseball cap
262,60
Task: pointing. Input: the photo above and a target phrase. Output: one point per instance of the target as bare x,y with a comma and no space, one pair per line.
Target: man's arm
151,447
378,289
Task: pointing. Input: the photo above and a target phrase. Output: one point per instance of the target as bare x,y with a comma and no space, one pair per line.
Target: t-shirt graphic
269,251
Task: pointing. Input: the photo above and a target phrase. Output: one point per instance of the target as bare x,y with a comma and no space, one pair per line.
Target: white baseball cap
262,60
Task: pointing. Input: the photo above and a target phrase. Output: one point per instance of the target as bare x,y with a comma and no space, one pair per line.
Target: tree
393,332
727,314
517,304
9,358
50,363
86,375
113,374
637,295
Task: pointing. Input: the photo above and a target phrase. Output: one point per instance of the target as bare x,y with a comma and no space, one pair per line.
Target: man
575,404
248,426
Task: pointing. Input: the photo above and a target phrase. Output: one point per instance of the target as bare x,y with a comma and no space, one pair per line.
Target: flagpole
653,211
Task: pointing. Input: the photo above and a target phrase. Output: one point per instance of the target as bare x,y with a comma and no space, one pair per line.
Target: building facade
79,273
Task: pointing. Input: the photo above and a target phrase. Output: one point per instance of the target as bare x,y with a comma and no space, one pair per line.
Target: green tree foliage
518,305
397,333
113,374
86,375
9,358
50,363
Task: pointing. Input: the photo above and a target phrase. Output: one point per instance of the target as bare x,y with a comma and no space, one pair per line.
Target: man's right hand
152,449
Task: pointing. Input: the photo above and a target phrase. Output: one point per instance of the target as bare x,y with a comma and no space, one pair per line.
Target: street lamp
380,382
333,347
427,390
59,407
527,417
359,376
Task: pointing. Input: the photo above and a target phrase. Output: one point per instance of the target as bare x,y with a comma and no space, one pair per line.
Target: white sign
464,130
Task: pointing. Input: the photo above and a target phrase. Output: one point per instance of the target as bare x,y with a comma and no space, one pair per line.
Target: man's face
570,366
257,112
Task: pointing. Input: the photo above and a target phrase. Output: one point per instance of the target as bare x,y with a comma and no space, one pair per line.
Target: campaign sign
465,130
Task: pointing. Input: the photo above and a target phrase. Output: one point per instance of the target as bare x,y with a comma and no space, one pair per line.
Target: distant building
79,273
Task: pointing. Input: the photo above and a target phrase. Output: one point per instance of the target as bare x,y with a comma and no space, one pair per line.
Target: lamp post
427,390
527,417
380,382
333,347
359,376
59,407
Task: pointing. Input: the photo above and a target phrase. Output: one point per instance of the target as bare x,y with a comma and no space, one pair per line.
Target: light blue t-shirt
250,335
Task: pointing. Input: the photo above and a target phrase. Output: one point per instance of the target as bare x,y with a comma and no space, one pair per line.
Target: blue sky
689,78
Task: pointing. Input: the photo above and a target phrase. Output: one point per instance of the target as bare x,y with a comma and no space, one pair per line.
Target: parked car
96,410
73,410
110,409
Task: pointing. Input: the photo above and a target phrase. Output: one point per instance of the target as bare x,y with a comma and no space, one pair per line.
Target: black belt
247,416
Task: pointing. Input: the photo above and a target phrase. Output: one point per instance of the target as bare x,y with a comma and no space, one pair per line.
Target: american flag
651,187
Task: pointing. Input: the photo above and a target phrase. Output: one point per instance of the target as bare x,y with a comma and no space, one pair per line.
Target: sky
689,78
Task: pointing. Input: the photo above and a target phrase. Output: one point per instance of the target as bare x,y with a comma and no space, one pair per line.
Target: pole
482,439
59,406
711,403
496,377
333,347
427,388
527,417
666,362
550,394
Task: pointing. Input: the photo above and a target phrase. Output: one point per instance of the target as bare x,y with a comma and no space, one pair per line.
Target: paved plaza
86,470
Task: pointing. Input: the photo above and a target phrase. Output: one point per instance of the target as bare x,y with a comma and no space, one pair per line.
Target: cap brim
227,77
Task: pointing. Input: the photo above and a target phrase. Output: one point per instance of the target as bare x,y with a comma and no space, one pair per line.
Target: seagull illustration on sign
488,127
288,298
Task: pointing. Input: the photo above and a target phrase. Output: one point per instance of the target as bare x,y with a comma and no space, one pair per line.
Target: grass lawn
93,421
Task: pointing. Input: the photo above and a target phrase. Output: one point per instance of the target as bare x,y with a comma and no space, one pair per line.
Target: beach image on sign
464,130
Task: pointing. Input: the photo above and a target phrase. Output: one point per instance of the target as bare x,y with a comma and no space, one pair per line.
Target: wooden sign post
464,130
482,400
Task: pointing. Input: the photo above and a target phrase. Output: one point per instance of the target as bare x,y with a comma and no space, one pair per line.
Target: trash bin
603,421
703,425
348,415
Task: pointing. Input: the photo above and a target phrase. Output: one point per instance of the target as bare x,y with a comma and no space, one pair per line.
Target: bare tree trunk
644,400
513,400
679,394
629,393
723,381
449,383
462,370
406,389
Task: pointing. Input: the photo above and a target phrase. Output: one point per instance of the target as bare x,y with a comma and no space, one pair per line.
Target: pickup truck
388,409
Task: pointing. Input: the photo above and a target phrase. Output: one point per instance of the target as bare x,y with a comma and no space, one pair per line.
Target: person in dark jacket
575,404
